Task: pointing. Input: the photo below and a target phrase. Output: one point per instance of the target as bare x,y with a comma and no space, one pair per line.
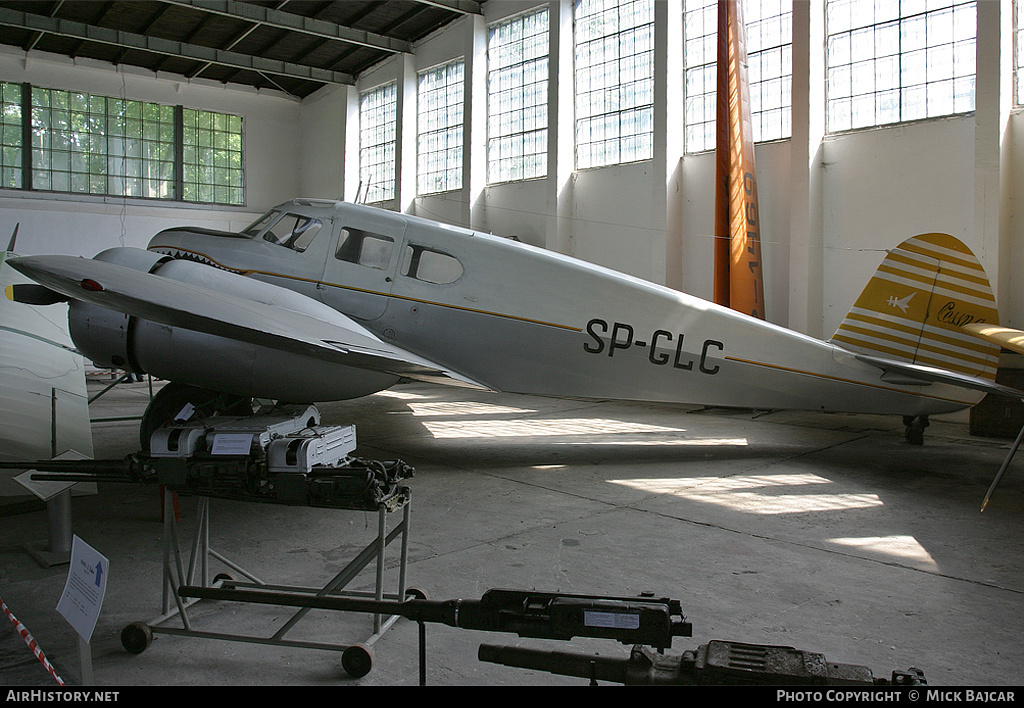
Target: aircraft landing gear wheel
357,660
914,431
136,637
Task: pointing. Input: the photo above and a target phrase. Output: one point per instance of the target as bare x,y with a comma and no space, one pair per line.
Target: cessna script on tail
322,300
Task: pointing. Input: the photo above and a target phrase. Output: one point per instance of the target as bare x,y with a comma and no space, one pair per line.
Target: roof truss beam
129,40
296,23
466,7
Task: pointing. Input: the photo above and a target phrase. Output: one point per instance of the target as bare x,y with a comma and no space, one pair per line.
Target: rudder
915,306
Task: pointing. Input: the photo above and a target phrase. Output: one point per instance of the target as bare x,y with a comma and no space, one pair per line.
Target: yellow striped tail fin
915,307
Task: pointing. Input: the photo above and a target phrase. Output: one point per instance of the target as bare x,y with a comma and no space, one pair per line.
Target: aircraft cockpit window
293,231
261,223
365,248
430,266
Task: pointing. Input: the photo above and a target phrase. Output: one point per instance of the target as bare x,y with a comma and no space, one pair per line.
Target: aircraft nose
188,238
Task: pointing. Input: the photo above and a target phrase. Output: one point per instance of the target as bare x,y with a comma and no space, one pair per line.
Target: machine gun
539,615
646,622
717,663
281,458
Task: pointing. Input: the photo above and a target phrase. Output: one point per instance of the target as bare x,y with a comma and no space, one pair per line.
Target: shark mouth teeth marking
179,254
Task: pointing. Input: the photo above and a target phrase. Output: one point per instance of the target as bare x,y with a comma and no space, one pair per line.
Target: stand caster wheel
136,637
415,594
357,660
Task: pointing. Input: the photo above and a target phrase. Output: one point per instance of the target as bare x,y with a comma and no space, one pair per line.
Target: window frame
701,71
439,134
378,141
412,263
75,142
1018,53
12,135
302,230
624,117
356,256
517,137
219,172
962,50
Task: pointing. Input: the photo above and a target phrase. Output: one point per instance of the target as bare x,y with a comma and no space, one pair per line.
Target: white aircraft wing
908,374
333,337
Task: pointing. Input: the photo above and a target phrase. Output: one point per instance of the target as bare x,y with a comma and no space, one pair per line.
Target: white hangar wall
830,204
883,186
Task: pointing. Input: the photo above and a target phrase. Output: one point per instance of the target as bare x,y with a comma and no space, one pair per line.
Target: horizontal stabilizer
1006,337
332,337
905,374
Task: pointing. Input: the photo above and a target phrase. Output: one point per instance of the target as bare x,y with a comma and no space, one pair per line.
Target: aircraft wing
1007,337
332,337
905,373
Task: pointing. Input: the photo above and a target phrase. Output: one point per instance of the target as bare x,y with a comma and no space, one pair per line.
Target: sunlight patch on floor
547,427
660,439
439,408
902,548
401,395
756,494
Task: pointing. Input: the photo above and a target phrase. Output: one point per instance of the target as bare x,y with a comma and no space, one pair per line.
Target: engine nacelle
101,334
115,340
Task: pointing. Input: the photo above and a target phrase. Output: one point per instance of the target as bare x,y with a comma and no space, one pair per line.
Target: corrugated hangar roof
294,46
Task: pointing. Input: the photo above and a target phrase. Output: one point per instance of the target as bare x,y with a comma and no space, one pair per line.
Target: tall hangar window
88,144
890,62
83,143
10,135
439,147
378,123
212,157
614,81
1018,54
769,35
517,98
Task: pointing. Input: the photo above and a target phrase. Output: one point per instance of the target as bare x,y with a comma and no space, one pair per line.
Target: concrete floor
823,532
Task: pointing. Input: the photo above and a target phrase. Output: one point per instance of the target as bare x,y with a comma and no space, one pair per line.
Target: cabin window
293,231
365,248
430,266
261,223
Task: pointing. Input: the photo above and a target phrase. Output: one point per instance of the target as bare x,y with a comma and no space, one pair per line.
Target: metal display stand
357,658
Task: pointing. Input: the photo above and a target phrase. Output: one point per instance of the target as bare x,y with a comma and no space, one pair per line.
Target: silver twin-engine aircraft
327,300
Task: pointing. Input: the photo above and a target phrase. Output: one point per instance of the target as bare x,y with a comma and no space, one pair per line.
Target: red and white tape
31,642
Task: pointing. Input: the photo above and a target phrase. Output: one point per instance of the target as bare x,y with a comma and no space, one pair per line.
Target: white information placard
82,598
232,444
46,490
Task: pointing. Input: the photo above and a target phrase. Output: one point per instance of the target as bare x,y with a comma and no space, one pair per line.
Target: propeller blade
32,294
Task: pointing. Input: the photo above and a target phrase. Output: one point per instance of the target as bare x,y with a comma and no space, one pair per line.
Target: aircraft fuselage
521,319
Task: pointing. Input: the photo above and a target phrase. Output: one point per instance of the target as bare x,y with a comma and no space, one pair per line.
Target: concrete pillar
474,152
350,185
993,101
405,144
669,130
561,128
806,242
